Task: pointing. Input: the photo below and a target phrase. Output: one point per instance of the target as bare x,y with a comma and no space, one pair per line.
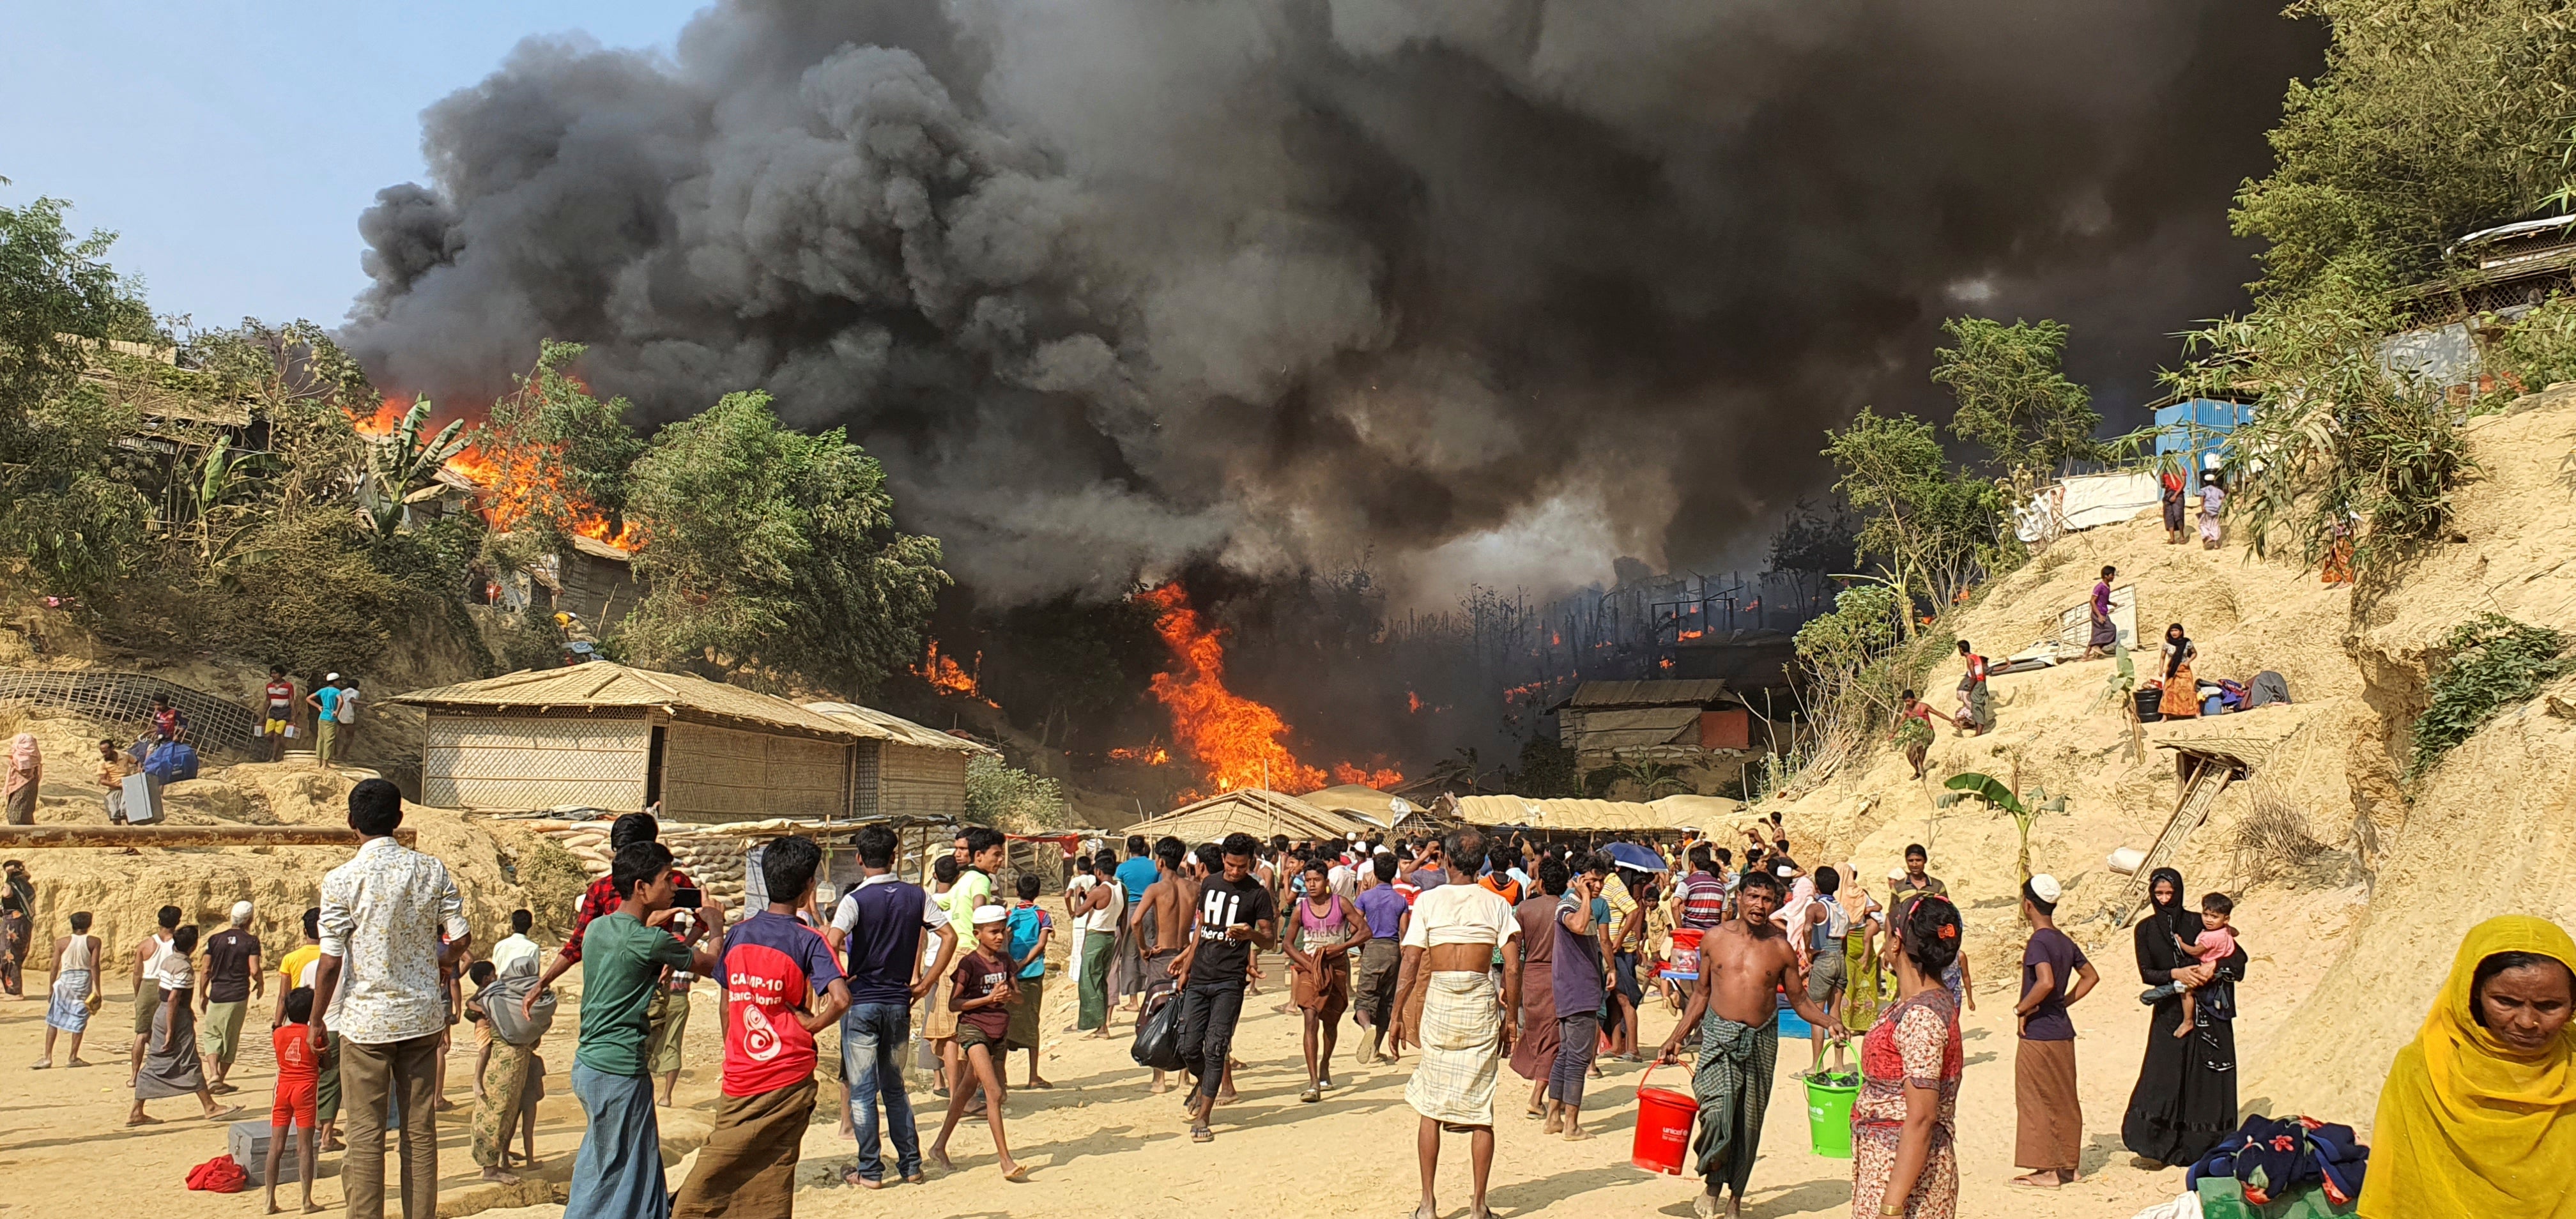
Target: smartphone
687,898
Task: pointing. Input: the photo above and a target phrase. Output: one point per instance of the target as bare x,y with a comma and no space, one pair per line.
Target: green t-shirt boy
621,960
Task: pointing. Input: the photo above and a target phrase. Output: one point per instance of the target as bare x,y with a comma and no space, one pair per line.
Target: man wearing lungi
618,1172
2049,1140
1742,965
1450,1008
781,986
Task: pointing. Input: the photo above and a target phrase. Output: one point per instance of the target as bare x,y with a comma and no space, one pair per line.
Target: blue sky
231,144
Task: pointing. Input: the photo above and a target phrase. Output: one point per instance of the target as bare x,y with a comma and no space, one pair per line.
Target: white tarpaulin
2086,501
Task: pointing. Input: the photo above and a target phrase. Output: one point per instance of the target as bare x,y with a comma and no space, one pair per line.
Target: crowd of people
1472,951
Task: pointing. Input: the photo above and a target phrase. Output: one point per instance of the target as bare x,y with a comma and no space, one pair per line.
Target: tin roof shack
1701,729
608,736
900,768
588,578
2496,275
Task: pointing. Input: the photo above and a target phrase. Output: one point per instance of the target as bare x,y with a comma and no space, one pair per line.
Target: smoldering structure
1493,289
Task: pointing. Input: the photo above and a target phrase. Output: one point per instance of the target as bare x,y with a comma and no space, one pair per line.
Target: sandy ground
1099,1139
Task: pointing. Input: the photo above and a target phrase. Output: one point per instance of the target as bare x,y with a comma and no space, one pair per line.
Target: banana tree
2024,808
402,469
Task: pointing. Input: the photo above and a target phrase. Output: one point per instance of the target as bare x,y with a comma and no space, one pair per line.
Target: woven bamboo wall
917,782
725,774
511,763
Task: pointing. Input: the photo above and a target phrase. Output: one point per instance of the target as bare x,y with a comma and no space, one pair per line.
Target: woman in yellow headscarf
2479,1114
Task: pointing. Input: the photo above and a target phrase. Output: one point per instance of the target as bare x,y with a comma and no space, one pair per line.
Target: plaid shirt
601,899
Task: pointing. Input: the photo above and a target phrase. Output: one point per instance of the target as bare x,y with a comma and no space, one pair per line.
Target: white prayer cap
330,677
991,914
1784,871
241,912
2045,888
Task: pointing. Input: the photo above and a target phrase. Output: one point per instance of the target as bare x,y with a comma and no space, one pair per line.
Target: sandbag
1158,1036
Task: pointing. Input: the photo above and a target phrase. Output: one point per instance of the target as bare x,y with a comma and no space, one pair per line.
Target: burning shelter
1702,729
610,736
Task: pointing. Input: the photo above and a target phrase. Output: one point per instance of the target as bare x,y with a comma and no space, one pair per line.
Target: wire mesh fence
120,700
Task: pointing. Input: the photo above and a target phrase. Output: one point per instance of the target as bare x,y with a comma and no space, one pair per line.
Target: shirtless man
1742,964
1161,921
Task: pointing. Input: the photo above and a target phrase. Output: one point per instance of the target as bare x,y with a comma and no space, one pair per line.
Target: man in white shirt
382,915
516,946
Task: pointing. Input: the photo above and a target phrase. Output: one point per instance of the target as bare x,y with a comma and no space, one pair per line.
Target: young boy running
773,966
298,1071
980,992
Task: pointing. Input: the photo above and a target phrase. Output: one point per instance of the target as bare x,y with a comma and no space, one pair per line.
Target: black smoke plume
1496,289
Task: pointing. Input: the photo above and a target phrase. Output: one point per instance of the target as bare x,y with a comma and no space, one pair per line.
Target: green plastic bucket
1829,1114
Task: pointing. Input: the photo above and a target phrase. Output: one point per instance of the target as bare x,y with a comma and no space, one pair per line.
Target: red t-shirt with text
773,966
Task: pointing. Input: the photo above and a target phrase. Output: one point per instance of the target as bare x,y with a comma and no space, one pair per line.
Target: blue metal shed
2197,426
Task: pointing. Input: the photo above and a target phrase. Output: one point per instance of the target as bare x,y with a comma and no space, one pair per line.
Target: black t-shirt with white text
1224,904
228,953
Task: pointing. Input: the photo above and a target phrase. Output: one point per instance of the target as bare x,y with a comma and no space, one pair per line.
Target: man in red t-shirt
781,987
600,900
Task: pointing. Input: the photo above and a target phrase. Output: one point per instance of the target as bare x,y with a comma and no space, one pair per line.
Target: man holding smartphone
600,900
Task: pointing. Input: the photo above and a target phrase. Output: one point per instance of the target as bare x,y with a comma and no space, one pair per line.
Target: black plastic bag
1158,1035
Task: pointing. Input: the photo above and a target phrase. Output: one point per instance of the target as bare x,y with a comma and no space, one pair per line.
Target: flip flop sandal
1310,1095
1201,1134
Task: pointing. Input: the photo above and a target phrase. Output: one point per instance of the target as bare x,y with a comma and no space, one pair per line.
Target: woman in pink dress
1903,1164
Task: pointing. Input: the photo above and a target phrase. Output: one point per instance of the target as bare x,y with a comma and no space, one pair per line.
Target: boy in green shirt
618,1173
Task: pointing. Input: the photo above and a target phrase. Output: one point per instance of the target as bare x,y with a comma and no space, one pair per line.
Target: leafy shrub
2539,348
1000,794
2494,663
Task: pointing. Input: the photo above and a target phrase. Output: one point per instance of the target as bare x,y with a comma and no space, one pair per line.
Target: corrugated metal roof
1697,693
605,684
1625,728
1575,816
1255,811
870,722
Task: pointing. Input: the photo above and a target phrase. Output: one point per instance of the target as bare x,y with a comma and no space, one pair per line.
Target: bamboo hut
1261,813
900,768
609,736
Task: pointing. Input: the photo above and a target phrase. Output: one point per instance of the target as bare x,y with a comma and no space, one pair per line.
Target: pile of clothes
2276,1157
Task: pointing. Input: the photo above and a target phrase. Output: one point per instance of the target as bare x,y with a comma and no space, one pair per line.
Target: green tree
2339,439
58,297
2431,120
563,455
2013,394
774,555
1932,528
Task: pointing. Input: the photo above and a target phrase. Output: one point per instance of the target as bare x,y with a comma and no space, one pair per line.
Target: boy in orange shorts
298,1080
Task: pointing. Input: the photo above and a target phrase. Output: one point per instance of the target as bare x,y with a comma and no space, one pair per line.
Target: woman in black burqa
2185,1100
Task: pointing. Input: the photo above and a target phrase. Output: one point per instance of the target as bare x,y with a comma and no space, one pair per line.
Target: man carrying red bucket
1743,964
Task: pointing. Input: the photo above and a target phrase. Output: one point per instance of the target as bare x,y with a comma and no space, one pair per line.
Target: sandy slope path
1099,1142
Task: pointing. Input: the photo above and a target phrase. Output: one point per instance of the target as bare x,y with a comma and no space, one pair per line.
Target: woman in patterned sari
1903,1164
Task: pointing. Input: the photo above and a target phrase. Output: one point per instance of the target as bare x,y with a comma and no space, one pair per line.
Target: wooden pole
21,837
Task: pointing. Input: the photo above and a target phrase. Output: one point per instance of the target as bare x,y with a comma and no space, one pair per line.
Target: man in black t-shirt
232,977
1234,914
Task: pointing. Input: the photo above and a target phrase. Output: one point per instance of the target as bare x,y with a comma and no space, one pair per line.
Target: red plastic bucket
1664,1120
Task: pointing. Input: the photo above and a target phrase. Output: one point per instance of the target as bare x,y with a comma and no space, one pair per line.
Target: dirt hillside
2364,949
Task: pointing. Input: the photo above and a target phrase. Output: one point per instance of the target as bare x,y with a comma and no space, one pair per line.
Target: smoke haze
1474,289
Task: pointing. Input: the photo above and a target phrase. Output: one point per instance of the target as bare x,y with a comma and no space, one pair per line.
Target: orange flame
948,677
1235,741
510,487
1412,702
1150,755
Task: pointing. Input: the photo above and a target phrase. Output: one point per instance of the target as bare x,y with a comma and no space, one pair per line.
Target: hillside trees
774,554
2014,396
1931,528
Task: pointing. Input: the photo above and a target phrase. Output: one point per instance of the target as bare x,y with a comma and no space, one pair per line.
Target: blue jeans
871,1035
